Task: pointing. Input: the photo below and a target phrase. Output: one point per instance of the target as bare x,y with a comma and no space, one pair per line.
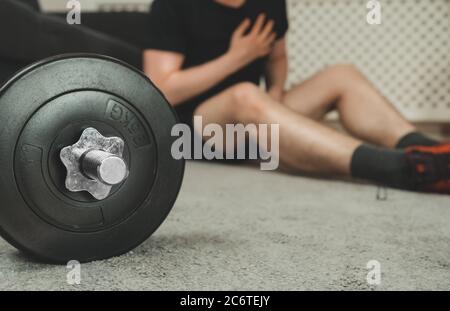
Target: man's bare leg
363,111
305,145
308,146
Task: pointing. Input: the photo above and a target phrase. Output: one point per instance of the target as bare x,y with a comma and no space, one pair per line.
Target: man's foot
431,167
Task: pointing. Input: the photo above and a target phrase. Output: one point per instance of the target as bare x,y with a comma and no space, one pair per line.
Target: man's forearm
185,84
277,73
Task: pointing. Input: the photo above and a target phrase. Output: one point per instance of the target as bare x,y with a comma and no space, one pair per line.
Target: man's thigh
316,96
217,109
239,104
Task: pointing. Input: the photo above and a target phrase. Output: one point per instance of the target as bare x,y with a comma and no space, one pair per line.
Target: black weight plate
44,108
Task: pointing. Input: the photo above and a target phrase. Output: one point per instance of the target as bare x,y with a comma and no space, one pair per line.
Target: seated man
208,56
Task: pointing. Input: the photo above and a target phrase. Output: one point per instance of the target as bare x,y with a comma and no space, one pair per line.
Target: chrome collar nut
94,164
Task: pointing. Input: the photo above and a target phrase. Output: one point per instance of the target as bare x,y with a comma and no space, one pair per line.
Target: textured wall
407,57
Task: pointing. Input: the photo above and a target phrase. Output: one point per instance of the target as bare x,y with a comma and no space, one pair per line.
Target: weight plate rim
22,72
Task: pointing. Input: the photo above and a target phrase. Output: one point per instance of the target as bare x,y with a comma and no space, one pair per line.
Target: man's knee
248,102
346,78
345,73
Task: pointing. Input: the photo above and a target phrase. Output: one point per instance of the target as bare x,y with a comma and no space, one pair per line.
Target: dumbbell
86,171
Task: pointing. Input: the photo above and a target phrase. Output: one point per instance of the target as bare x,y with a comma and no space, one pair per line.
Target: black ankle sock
384,166
415,139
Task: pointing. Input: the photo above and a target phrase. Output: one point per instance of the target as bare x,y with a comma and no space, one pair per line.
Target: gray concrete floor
237,228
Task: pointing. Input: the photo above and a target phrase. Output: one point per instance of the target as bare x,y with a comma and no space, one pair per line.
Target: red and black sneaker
431,167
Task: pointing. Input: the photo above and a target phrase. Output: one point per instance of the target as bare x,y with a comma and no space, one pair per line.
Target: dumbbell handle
105,167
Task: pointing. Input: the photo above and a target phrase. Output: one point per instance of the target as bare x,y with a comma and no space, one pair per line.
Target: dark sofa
27,35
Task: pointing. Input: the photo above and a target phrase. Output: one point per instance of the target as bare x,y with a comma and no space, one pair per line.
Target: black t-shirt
202,29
